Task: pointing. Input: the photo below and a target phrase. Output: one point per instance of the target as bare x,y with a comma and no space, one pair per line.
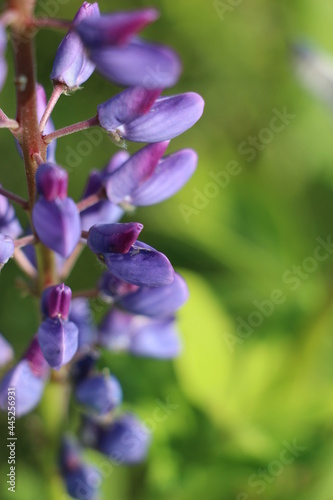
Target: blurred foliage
240,401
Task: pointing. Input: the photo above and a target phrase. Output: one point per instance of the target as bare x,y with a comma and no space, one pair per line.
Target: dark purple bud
56,301
81,479
57,224
6,249
9,224
157,302
138,168
169,177
6,352
126,440
80,314
41,105
84,366
58,341
99,394
71,65
52,181
168,118
142,265
140,63
114,29
113,287
28,377
125,107
118,238
139,335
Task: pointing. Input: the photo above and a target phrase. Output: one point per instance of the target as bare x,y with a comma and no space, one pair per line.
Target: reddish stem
90,201
58,90
71,129
14,197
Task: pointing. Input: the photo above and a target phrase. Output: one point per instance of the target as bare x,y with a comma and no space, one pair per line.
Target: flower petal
99,394
57,224
157,302
109,238
137,169
142,266
169,177
168,118
138,63
58,341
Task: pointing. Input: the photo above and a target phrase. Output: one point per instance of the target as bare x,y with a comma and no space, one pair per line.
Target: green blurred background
252,407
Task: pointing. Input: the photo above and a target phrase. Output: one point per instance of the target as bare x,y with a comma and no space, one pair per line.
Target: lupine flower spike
138,290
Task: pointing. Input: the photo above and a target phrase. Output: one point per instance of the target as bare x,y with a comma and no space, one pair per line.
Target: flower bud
58,341
71,65
56,301
6,249
126,440
99,394
57,224
52,181
137,169
81,479
113,238
142,265
157,302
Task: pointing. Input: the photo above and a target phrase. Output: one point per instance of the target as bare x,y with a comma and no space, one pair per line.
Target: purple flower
122,58
9,224
72,66
58,340
128,259
6,249
55,216
28,377
52,182
168,175
139,335
81,479
160,302
113,238
121,183
114,29
137,116
99,393
142,265
126,440
6,351
80,315
56,301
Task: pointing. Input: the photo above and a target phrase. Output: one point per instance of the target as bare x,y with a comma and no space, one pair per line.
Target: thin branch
46,22
91,200
14,197
71,129
38,159
26,240
24,263
58,90
6,122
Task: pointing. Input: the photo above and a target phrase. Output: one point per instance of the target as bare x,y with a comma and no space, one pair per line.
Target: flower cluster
140,284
